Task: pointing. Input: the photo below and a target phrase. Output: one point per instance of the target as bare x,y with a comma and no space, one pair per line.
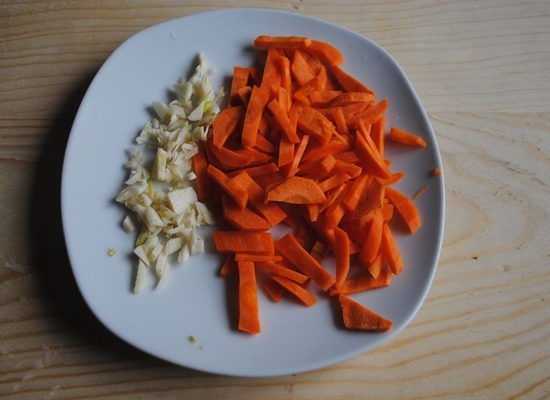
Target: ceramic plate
196,301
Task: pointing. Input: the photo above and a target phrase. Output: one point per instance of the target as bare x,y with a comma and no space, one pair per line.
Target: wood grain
481,68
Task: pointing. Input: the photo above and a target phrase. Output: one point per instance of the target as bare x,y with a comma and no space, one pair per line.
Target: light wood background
482,70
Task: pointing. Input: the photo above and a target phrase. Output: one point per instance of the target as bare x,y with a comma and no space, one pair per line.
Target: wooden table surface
482,71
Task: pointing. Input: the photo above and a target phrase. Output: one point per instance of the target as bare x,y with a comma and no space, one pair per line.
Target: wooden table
482,70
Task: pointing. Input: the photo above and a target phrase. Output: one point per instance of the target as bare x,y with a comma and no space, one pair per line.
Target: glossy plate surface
196,301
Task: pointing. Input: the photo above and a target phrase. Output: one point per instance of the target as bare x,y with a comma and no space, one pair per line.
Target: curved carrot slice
342,250
296,190
405,208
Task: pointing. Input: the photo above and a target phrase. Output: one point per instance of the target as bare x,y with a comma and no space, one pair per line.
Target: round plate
196,301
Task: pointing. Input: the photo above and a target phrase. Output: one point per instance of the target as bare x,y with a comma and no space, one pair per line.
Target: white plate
196,301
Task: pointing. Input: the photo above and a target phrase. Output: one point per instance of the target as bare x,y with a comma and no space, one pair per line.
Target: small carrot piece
301,259
391,251
228,186
373,241
249,317
377,134
299,292
301,71
243,242
203,182
404,137
257,258
240,80
298,153
283,271
256,105
342,254
225,123
281,42
358,317
371,160
296,190
229,266
363,283
356,192
405,208
348,82
315,124
325,52
274,290
436,171
420,192
281,116
242,219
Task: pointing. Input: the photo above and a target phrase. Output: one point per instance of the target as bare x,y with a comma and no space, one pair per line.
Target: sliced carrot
229,266
391,251
348,82
243,242
282,118
296,190
436,171
292,287
405,208
315,124
377,134
256,195
404,137
342,254
377,265
301,70
358,317
237,193
279,269
274,290
323,97
239,81
420,192
225,124
356,192
298,154
363,283
261,169
281,42
242,219
369,115
257,258
256,105
371,246
203,182
325,52
249,316
301,259
370,159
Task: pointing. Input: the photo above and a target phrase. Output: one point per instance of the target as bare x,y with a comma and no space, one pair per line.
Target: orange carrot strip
274,290
296,190
370,159
240,80
356,192
305,297
323,97
364,283
317,151
420,192
256,195
281,42
348,82
342,254
325,52
249,317
203,182
283,271
243,242
377,265
350,169
371,246
301,259
318,167
396,177
315,124
358,317
225,123
264,144
238,194
286,152
391,251
300,69
242,219
271,78
348,98
387,211
405,208
256,105
298,153
257,258
333,181
404,137
281,116
369,115
335,212
229,266
261,169
286,80
377,134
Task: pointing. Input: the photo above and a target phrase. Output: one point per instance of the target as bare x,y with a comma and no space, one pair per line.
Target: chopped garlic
168,209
